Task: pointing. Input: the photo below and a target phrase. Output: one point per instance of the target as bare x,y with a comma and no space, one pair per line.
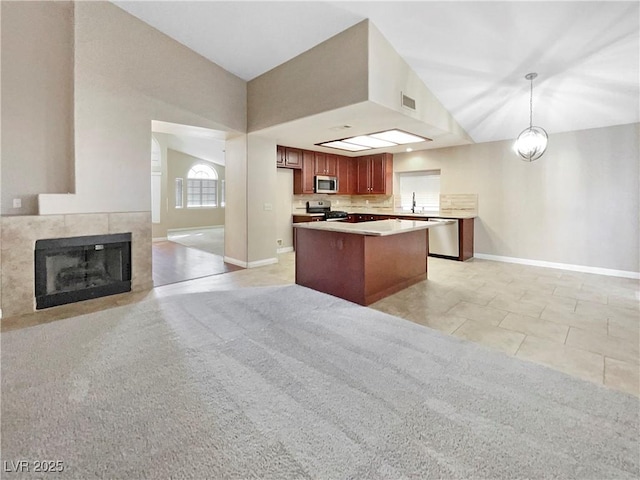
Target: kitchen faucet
413,203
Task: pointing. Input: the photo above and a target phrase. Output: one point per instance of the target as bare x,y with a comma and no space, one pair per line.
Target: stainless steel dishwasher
444,240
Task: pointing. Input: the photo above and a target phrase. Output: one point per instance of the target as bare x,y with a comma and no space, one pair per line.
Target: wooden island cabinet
361,263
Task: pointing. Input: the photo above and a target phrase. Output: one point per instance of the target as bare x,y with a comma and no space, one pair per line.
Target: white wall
390,76
235,215
330,75
37,102
578,204
261,200
127,74
284,206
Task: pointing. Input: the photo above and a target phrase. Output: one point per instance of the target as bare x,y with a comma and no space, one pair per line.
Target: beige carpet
288,383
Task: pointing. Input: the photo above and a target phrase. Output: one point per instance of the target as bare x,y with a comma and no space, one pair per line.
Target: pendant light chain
531,104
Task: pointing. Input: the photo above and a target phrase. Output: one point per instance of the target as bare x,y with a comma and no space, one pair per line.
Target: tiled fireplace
18,244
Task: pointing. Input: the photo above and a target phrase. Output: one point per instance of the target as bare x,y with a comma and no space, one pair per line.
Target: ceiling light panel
398,136
370,142
352,147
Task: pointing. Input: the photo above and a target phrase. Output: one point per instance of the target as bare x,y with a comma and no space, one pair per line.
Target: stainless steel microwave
324,184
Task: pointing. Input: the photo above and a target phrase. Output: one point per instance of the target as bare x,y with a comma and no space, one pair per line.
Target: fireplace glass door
78,268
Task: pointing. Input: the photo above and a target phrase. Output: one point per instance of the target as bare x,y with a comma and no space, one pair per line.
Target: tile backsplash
352,203
450,203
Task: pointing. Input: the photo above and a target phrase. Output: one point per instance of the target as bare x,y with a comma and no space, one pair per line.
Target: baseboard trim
285,249
188,229
262,263
159,239
234,261
562,266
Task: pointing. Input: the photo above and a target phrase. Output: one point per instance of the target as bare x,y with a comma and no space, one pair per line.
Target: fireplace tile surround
17,244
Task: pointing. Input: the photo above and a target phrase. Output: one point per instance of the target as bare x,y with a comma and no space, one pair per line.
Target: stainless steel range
324,206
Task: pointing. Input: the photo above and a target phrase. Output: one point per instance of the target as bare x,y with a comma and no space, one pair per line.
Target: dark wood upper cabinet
374,174
346,175
326,164
303,177
362,173
279,156
293,157
331,164
367,175
288,157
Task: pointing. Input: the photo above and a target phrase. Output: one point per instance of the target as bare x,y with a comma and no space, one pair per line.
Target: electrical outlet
268,207
17,203
279,241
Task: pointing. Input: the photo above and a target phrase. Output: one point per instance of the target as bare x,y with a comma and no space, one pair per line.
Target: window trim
178,181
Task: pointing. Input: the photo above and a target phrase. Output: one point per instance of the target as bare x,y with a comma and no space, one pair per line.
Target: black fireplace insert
73,269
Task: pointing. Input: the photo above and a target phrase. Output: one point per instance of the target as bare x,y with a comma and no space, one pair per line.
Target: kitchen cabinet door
293,157
362,172
374,174
331,164
280,156
346,175
303,177
288,157
319,163
377,174
326,164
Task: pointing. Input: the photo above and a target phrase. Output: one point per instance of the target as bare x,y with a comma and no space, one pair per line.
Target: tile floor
582,324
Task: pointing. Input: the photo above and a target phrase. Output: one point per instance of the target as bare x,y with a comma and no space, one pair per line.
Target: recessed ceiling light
398,136
370,142
344,146
388,138
409,149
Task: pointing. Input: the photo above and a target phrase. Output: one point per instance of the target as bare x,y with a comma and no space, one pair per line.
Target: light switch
17,203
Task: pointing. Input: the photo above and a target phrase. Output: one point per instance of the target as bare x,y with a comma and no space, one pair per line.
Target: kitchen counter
362,262
375,228
304,214
378,211
433,214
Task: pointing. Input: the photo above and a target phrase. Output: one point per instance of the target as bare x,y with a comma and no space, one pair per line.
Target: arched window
202,186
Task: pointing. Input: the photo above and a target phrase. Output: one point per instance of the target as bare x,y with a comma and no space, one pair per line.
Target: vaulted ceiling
473,56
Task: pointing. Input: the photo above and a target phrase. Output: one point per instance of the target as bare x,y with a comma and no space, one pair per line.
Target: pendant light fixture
532,142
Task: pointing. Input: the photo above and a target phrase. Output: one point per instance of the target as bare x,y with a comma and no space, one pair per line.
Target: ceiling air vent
408,102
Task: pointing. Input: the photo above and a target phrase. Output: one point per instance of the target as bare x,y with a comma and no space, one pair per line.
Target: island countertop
376,228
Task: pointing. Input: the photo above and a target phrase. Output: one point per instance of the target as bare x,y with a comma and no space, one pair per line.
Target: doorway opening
188,202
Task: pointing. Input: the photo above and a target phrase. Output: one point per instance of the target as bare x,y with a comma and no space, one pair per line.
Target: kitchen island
362,262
